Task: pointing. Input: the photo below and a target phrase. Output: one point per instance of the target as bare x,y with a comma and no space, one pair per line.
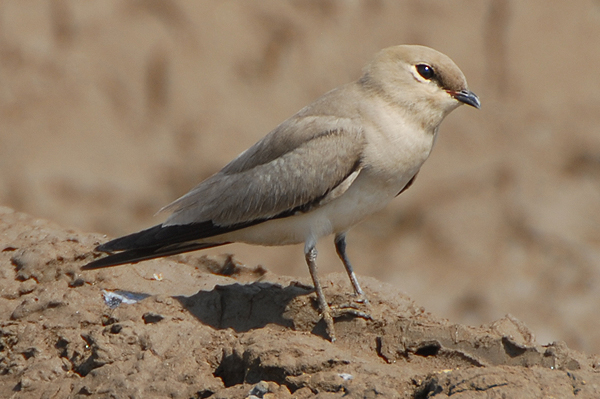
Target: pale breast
366,196
397,147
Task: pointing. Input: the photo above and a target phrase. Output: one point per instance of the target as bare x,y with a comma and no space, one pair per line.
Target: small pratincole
335,162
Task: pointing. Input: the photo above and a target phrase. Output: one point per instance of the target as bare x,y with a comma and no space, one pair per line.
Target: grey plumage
338,160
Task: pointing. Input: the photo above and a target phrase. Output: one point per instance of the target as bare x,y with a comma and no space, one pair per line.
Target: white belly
391,161
365,197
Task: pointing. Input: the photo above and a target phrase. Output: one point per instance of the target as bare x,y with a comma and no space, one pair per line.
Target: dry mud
209,327
111,109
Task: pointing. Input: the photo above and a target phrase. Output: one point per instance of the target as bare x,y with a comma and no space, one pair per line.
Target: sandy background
110,110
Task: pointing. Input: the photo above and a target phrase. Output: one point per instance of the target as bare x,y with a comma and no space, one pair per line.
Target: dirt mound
199,327
110,110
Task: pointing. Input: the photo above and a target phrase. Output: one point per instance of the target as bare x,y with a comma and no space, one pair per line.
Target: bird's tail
154,242
137,255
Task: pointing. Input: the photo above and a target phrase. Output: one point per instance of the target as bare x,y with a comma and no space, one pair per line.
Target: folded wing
291,170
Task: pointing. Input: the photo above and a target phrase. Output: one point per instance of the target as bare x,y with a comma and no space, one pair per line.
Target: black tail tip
106,247
96,264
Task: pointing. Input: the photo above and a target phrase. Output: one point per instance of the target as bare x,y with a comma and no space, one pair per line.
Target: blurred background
111,109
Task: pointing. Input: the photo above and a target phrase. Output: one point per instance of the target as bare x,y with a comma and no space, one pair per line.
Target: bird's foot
361,298
329,326
351,309
357,308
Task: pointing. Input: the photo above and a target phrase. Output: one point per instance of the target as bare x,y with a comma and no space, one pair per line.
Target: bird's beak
467,97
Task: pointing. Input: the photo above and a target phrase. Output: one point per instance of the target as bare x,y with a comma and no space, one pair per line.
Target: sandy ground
110,110
212,328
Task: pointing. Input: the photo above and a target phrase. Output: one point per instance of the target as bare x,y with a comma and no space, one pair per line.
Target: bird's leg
340,246
311,256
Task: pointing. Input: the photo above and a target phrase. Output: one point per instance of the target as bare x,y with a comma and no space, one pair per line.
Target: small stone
150,318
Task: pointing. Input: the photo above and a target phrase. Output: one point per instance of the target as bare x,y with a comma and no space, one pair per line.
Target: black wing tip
162,236
103,247
141,254
107,247
141,239
158,241
110,260
97,264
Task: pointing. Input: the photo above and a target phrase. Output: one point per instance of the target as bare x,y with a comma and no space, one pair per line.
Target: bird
338,160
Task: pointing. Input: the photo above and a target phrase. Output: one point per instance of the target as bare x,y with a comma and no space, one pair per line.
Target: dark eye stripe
425,71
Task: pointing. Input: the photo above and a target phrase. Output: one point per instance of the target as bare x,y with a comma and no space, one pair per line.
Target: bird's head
420,79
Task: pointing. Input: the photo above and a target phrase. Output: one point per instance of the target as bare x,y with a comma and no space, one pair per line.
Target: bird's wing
292,169
144,253
275,178
407,185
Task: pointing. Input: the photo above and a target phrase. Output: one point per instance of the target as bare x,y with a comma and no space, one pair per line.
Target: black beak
467,97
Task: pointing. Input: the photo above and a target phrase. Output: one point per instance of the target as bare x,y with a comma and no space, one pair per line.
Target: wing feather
276,175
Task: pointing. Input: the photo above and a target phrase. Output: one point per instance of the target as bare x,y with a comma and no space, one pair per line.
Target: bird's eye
425,71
